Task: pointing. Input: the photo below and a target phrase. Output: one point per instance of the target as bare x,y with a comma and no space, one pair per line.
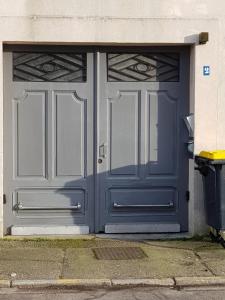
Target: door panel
152,200
70,133
48,121
30,133
143,177
123,133
162,132
32,202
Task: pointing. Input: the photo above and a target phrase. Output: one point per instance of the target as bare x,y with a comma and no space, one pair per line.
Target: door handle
169,205
102,150
20,206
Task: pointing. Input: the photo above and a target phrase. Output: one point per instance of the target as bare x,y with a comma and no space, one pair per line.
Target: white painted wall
135,22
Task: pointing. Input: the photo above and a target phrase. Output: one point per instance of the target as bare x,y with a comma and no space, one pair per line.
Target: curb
176,282
166,282
199,281
61,283
5,283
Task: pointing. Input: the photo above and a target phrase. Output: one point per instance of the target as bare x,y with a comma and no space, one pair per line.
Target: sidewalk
53,262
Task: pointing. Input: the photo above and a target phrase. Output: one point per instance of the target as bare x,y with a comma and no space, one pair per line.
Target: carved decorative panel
54,67
143,67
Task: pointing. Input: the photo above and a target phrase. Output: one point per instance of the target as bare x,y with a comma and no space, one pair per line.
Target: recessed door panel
140,202
70,122
162,133
123,135
49,203
29,134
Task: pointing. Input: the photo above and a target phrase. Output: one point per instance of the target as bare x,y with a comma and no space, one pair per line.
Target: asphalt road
121,294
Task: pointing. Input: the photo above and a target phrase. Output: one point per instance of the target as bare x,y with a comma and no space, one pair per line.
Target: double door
94,139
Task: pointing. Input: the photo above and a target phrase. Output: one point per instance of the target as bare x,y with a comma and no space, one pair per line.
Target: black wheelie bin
212,167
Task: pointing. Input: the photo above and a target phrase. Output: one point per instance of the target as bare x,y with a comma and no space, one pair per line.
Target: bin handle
204,169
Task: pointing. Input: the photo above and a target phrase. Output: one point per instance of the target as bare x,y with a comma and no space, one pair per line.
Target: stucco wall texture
135,22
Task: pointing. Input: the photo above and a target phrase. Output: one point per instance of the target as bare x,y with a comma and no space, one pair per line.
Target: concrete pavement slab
32,254
160,263
49,259
214,260
186,244
45,243
62,243
171,262
27,269
29,263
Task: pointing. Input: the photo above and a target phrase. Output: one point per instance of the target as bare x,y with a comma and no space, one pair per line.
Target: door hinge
187,196
4,199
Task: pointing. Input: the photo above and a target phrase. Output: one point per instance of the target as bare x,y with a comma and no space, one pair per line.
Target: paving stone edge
157,282
199,281
169,282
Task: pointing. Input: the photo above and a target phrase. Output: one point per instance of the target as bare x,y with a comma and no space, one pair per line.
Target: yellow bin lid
216,154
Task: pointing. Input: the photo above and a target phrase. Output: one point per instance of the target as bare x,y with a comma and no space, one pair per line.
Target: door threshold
142,228
49,230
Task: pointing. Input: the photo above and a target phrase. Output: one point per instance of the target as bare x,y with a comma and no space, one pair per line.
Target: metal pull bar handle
169,205
20,206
